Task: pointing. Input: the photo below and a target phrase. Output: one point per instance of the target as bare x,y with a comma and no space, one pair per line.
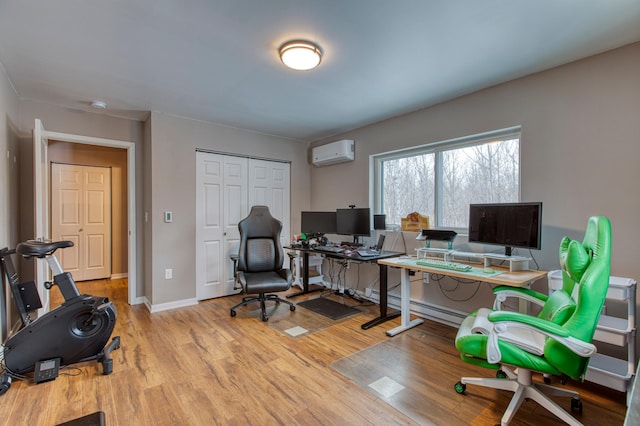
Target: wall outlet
168,274
425,278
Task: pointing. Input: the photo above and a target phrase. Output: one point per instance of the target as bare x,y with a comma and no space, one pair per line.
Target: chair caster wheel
265,318
233,313
501,374
460,387
292,308
576,405
547,380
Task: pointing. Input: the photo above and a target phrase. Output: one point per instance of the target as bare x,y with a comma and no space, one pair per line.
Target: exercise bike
76,331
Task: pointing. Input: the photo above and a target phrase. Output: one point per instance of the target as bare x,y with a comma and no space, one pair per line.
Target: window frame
437,148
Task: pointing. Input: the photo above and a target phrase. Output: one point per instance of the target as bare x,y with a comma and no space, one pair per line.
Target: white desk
513,279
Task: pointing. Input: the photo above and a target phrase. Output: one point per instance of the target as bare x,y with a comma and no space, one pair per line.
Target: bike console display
46,370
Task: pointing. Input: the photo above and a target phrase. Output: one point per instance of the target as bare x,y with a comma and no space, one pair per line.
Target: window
440,180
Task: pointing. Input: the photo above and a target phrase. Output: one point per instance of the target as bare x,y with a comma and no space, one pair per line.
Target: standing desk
513,279
382,269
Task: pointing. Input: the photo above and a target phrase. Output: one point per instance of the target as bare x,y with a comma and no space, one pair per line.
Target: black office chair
260,260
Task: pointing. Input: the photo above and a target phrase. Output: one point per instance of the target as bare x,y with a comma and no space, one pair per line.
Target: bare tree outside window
487,171
408,186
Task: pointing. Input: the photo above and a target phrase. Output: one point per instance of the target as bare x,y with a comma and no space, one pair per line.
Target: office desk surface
505,277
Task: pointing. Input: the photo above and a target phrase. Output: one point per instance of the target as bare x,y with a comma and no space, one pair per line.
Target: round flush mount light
98,104
300,55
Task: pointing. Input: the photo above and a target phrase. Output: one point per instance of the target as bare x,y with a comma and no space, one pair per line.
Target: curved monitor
506,224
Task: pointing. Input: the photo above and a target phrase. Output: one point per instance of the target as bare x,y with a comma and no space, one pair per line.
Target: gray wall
9,183
172,183
64,120
580,132
579,155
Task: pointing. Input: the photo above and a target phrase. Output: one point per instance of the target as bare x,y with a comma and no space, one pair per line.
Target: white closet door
269,185
221,202
81,212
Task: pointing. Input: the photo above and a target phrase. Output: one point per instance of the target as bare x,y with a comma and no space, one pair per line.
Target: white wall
579,154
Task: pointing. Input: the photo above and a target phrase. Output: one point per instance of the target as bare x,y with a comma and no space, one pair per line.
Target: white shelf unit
315,270
614,373
516,263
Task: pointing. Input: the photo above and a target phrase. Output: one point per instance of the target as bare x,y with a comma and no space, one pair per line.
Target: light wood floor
199,366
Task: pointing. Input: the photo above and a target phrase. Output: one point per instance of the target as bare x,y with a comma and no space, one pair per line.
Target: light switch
168,217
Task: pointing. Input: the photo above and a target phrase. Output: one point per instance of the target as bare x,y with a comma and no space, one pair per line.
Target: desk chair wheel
233,313
460,387
501,374
292,308
576,405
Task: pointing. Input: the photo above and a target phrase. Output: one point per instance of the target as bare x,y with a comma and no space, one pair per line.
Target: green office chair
555,342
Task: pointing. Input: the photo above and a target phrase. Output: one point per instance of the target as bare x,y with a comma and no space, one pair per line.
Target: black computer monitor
355,221
318,223
506,224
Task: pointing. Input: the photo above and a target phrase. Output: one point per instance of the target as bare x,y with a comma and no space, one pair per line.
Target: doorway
41,139
81,212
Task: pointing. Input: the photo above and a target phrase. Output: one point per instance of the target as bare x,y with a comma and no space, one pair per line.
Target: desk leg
384,316
305,279
405,306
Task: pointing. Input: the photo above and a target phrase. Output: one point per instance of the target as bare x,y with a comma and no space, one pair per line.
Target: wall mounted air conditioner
333,153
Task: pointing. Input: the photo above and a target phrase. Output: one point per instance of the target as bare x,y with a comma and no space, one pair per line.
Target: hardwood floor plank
199,366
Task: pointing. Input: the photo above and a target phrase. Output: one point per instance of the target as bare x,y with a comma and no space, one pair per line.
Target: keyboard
329,249
442,264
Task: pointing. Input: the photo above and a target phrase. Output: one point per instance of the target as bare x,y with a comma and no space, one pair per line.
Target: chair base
523,387
262,298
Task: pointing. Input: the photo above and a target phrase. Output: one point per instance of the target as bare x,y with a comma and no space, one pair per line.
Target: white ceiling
216,60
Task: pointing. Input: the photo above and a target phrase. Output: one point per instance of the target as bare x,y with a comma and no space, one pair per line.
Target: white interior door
221,202
81,212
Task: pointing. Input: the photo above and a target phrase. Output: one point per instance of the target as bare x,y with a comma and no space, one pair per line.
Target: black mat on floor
329,308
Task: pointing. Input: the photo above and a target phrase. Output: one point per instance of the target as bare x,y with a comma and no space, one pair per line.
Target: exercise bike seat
40,249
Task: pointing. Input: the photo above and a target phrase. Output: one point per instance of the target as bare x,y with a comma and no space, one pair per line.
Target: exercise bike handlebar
40,249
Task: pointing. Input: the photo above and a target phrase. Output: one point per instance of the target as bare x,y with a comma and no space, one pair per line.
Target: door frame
84,271
42,136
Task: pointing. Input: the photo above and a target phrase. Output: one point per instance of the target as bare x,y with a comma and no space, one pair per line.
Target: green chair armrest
503,292
535,322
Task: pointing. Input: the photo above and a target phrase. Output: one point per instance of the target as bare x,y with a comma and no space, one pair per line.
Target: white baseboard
139,300
431,311
170,305
119,276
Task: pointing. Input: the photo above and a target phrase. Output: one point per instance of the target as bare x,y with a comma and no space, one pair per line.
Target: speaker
379,221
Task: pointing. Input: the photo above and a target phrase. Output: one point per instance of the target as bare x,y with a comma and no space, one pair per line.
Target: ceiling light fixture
300,55
99,104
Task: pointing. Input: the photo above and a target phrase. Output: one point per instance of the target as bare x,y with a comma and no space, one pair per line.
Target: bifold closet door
227,187
221,202
269,185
